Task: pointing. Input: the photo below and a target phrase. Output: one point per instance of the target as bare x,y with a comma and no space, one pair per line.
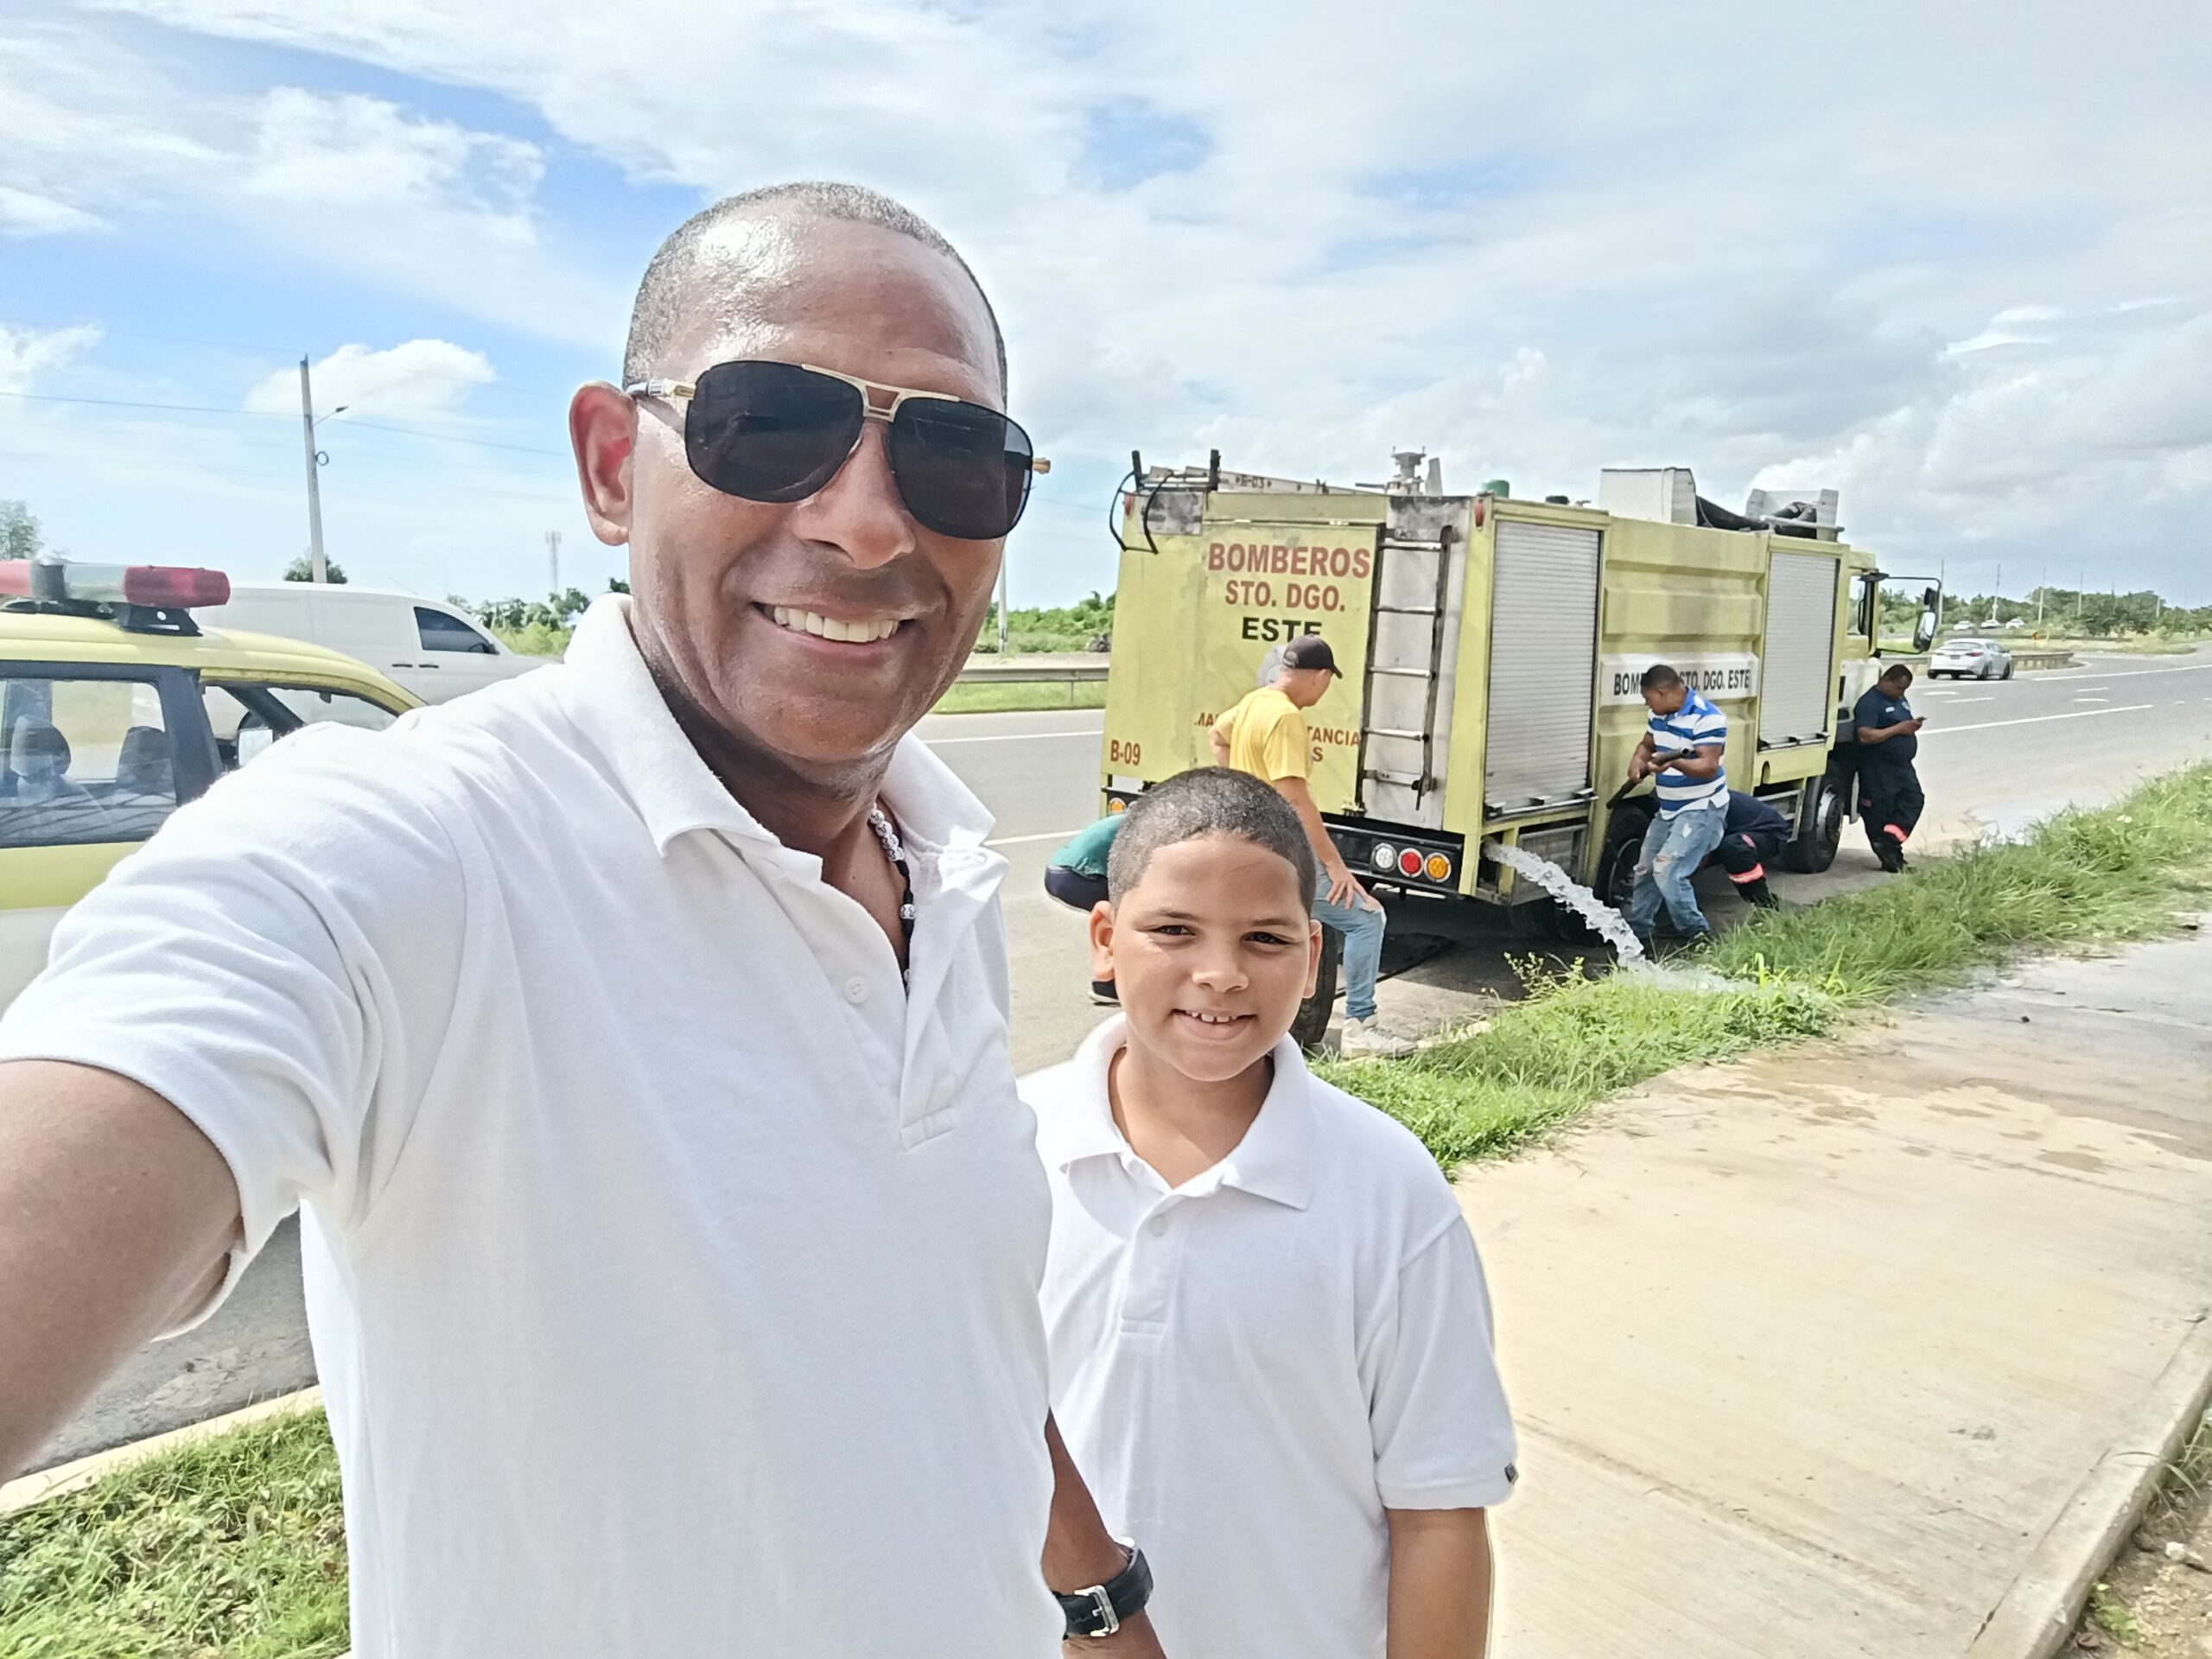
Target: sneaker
1370,1039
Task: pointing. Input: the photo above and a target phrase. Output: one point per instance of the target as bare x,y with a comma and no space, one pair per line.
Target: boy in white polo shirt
1269,1335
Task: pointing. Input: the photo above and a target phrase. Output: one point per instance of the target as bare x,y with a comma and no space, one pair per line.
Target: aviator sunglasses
779,432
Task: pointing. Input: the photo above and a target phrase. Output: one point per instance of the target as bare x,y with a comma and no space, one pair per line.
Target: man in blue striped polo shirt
1682,754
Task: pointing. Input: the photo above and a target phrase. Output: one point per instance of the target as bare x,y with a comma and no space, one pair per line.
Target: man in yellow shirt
1266,735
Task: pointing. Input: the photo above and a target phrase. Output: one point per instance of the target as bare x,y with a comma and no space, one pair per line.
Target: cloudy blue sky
1956,260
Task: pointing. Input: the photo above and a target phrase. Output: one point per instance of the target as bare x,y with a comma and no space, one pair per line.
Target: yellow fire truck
1491,650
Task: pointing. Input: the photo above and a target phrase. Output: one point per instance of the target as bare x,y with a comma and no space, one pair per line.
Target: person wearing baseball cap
1266,735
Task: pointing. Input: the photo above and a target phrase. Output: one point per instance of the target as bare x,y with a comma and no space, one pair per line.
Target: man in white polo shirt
634,1035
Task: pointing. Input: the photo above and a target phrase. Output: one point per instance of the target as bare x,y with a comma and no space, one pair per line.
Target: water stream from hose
1603,920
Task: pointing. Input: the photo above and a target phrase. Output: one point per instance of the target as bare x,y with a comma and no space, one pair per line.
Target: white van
434,650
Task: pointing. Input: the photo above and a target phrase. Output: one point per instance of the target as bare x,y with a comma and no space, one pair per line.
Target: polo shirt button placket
857,990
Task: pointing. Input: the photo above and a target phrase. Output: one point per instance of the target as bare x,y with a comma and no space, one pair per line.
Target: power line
125,403
263,414
451,437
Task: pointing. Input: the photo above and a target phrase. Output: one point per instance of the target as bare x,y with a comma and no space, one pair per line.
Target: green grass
2082,878
231,1547
1019,696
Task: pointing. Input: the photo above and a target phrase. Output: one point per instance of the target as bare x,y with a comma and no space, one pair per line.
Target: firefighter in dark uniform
1889,800
1753,835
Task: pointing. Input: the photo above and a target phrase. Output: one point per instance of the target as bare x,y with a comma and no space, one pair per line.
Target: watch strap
1100,1610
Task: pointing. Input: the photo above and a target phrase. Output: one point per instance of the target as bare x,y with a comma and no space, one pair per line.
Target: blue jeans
1362,932
1673,850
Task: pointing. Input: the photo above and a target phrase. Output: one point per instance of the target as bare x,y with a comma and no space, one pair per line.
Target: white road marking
2092,699
1023,840
1964,701
2037,719
1008,737
2129,674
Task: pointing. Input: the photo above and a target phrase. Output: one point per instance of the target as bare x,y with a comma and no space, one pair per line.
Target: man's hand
1345,889
1134,1640
1916,722
1639,766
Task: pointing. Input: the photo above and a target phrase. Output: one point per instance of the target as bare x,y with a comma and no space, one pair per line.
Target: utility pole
1003,592
553,563
318,566
1997,599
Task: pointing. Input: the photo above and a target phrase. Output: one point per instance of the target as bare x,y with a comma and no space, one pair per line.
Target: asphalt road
1993,758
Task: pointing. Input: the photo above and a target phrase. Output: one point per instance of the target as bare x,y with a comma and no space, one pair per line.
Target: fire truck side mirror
1924,635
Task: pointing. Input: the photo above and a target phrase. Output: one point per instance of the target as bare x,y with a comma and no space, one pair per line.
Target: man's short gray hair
665,297
1209,801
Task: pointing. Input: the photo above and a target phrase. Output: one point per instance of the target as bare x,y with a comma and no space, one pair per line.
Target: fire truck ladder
1424,780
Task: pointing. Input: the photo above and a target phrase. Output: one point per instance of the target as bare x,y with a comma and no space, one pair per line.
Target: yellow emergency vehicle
116,708
1491,650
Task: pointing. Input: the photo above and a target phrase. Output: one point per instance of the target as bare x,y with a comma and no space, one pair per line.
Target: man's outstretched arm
1079,1552
116,1216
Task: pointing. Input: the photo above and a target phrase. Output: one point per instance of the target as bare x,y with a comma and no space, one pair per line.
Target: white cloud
425,207
415,379
26,354
26,213
1888,248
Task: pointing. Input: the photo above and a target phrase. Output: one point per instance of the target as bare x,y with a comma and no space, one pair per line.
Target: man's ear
1313,959
1102,940
603,431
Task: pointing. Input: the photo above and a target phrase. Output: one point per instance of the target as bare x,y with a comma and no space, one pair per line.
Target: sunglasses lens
962,470
770,431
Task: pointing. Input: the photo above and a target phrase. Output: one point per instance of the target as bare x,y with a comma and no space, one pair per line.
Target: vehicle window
441,631
82,761
250,718
1862,613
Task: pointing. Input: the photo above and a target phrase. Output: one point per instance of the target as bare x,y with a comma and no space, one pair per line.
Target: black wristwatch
1100,1610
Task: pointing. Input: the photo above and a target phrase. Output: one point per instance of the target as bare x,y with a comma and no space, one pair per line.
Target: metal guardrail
1080,666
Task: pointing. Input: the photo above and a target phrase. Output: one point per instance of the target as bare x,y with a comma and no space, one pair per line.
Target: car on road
116,708
1971,659
438,652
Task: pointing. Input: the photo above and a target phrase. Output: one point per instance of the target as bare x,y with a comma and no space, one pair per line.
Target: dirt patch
2156,1602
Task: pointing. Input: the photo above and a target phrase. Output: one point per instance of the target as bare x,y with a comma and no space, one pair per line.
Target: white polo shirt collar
1275,1160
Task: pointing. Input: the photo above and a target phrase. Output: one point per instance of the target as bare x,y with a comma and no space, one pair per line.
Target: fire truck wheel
1312,1022
1814,848
1624,833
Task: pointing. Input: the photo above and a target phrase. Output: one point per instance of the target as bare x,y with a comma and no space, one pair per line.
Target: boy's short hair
1661,677
1209,801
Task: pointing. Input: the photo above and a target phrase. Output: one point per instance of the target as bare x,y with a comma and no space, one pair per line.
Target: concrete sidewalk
1860,1348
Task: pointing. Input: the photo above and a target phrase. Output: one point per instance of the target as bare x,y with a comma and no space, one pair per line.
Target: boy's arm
1440,1584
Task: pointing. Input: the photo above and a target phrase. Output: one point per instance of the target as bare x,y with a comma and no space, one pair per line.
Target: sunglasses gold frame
684,391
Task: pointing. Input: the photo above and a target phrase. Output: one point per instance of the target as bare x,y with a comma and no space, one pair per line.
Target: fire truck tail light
1409,861
1440,867
1385,856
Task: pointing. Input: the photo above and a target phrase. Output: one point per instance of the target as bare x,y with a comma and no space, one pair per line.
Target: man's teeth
1213,1019
829,627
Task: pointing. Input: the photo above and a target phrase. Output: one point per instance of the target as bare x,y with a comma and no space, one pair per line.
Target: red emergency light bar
154,586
